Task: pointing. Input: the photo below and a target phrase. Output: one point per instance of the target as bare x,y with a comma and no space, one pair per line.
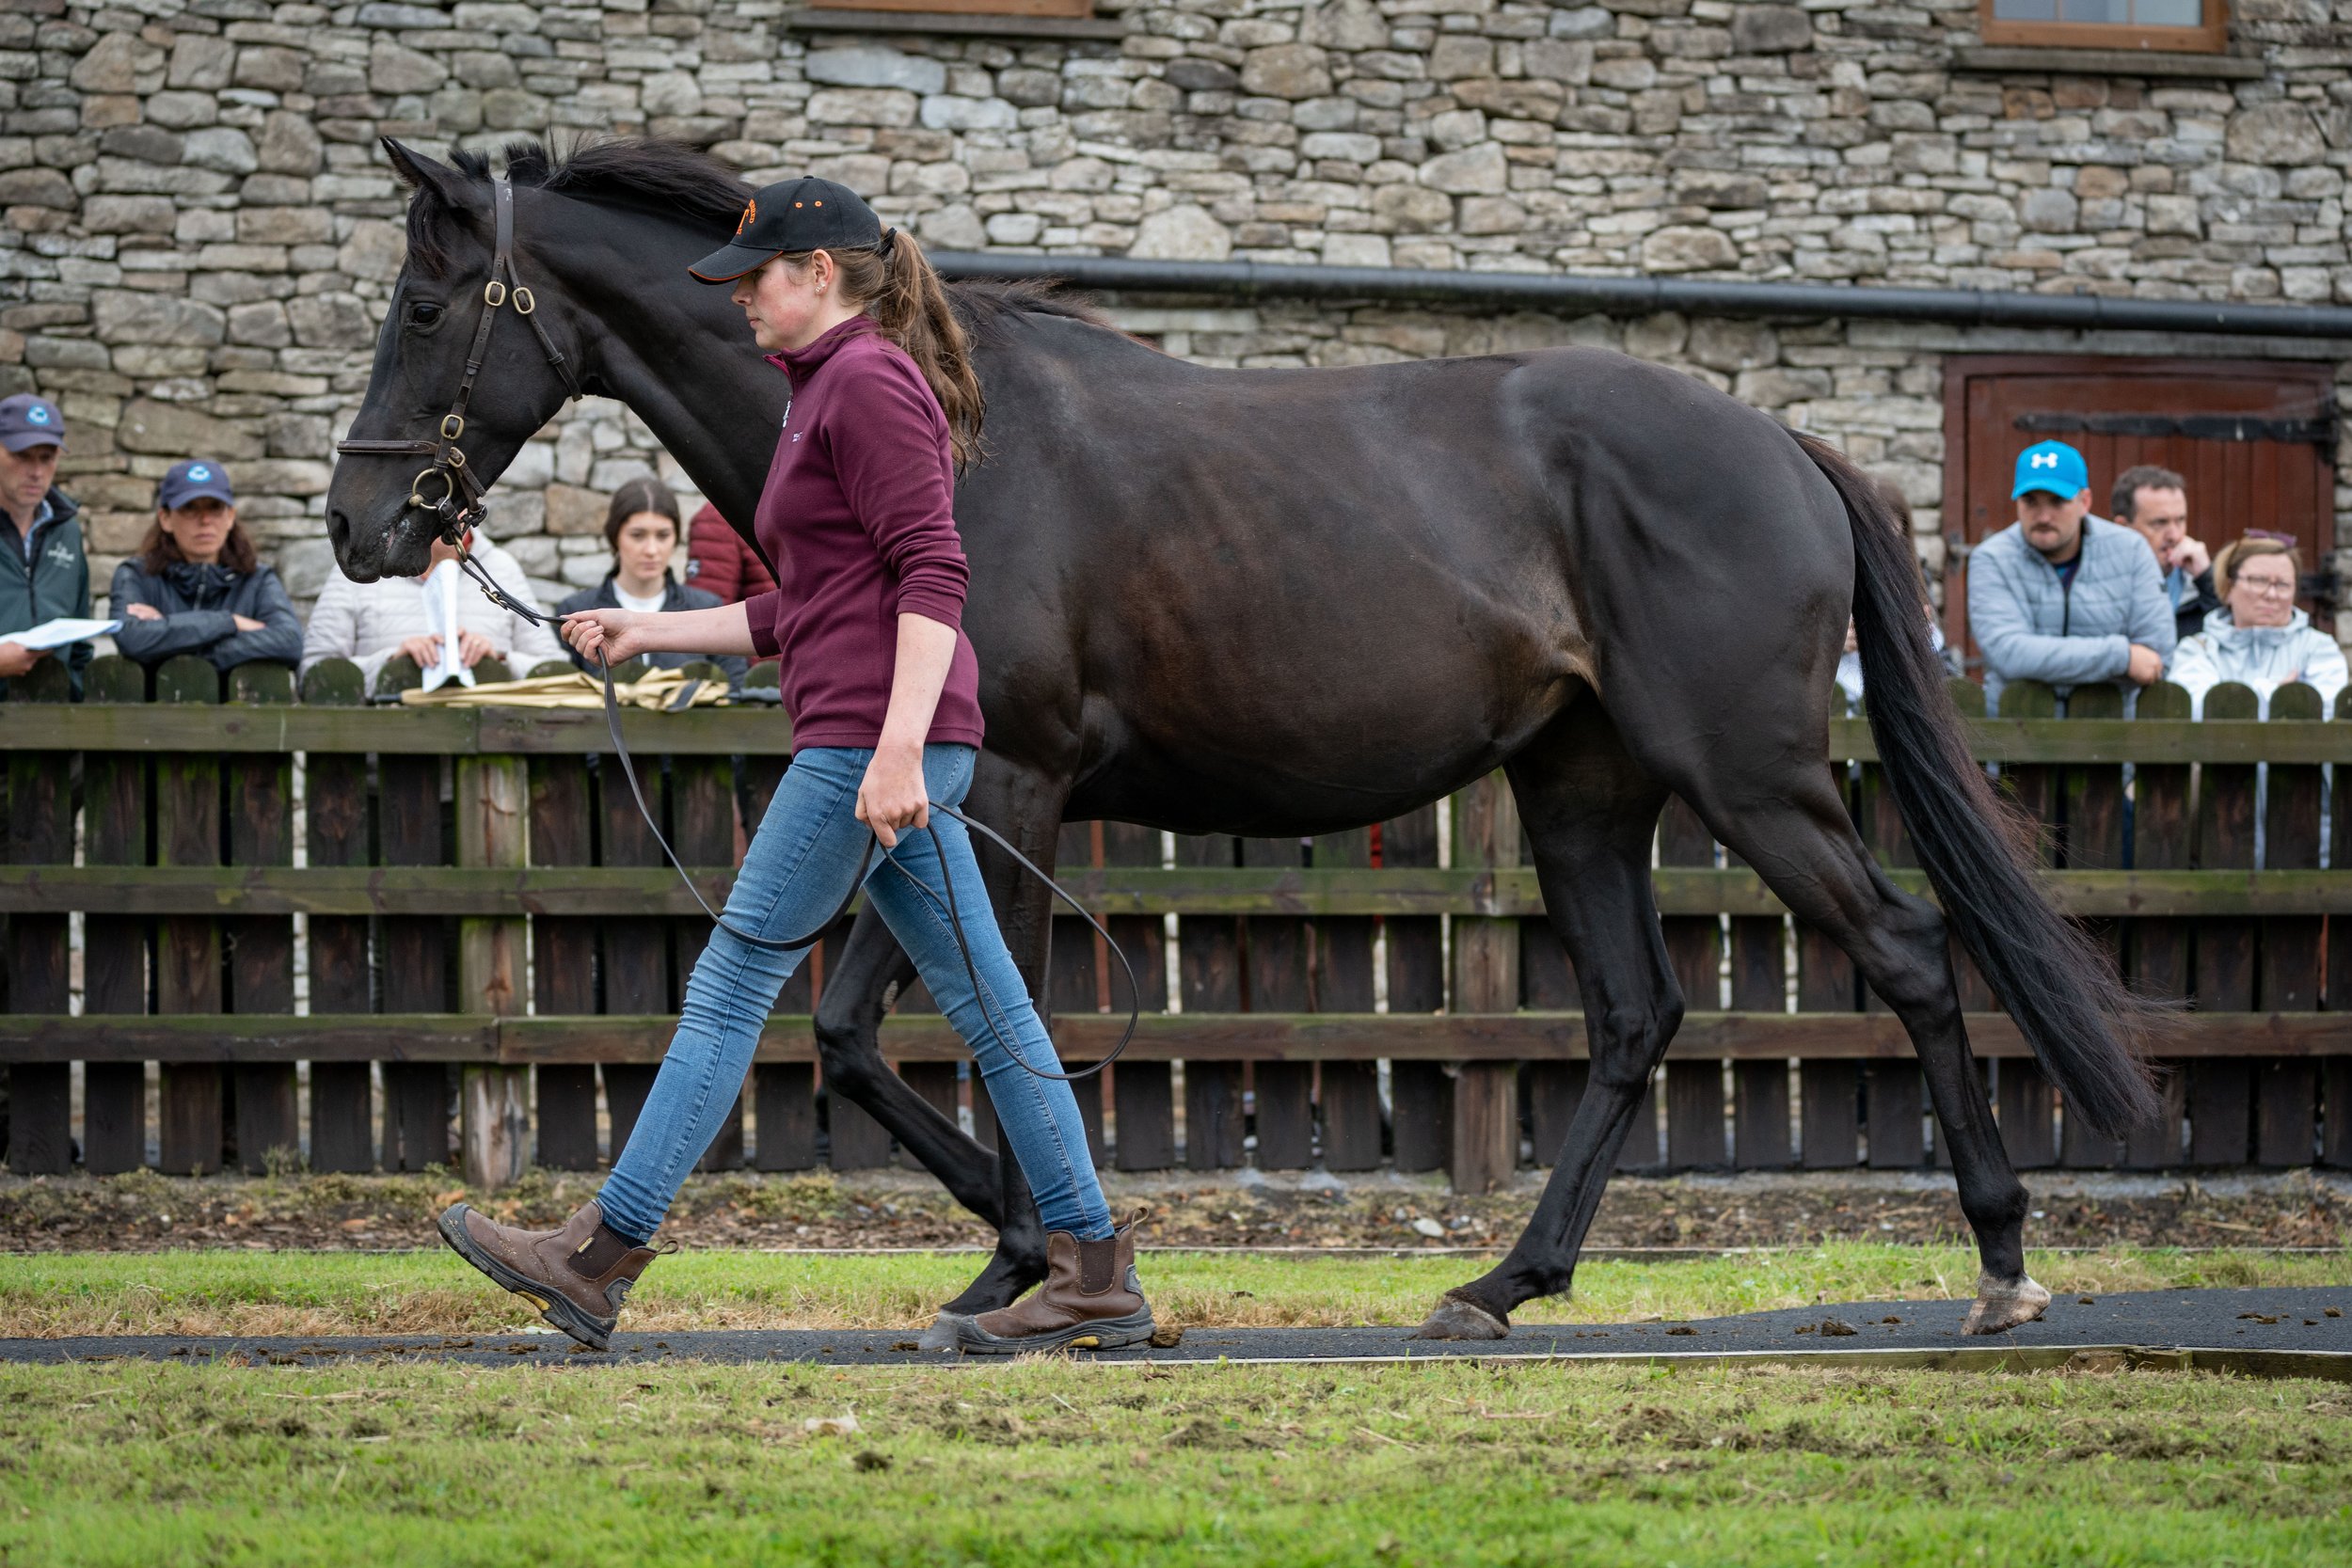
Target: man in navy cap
45,575
2062,596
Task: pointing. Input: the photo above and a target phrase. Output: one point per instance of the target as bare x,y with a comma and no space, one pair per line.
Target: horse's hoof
946,1333
1458,1319
2002,1305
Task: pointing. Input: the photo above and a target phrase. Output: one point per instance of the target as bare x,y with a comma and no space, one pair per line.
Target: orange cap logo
751,211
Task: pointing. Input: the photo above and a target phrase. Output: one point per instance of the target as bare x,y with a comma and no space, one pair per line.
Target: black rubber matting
2258,1332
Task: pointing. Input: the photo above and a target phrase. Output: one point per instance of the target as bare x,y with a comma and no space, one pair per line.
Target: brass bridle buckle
493,293
452,426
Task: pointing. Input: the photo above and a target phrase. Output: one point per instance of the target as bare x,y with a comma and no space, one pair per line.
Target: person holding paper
45,575
371,624
196,586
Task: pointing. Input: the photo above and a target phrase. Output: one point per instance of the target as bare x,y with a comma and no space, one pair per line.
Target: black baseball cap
192,480
792,216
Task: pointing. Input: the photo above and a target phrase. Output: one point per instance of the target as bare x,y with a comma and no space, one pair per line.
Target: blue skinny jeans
796,872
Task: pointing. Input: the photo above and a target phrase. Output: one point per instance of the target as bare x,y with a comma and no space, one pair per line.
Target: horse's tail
2056,984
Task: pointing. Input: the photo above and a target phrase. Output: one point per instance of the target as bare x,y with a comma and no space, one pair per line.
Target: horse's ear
422,175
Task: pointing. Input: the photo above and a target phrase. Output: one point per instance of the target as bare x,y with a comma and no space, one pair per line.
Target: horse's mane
675,179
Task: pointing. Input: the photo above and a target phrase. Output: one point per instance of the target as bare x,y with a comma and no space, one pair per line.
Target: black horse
1293,602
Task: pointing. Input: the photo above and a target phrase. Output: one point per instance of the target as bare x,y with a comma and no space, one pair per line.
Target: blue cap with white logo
2053,467
197,477
27,421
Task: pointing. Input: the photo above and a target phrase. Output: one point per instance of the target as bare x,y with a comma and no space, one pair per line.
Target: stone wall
200,231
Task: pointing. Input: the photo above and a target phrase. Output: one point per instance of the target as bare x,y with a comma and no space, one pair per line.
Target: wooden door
2255,440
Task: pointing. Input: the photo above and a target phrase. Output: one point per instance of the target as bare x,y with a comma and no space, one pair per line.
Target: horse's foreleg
848,1027
1591,815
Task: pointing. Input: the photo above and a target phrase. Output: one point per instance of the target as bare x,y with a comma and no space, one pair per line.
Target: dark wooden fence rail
492,945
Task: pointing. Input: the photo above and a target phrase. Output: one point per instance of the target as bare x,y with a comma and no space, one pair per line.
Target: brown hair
640,494
895,285
160,550
2123,500
2252,547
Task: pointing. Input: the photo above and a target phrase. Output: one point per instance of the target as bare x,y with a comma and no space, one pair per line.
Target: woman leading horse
883,691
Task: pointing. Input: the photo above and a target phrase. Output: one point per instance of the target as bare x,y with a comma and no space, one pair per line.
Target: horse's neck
678,355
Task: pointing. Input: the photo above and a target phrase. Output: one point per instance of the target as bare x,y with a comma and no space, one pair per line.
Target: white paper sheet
441,619
59,633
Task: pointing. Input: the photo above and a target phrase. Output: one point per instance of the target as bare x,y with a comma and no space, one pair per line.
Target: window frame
1050,9
2212,37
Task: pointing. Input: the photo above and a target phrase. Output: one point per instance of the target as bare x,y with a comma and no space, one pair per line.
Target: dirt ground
145,1211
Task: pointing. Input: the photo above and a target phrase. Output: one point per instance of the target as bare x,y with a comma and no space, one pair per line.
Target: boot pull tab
1098,1265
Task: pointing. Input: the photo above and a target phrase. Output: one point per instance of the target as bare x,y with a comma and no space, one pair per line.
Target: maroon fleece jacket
857,515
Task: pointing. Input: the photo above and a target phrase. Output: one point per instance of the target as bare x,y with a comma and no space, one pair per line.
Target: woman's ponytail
912,310
895,284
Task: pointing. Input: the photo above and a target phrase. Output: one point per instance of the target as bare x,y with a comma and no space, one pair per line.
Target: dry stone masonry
200,231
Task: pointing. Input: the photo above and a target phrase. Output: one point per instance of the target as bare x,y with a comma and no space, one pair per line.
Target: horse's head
437,303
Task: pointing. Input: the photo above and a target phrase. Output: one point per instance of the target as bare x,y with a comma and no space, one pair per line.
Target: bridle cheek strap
459,505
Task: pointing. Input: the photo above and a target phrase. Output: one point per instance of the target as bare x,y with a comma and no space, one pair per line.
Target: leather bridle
459,505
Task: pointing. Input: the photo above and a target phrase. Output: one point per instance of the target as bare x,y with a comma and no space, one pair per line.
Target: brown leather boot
577,1276
1091,1300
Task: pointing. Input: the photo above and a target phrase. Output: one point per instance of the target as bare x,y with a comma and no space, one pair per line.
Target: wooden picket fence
484,920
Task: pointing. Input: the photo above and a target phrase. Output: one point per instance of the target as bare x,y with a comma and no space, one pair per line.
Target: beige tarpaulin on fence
658,690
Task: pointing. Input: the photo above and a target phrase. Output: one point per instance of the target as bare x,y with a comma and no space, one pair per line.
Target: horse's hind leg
1794,831
1591,814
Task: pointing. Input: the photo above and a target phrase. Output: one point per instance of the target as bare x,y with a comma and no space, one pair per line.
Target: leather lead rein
457,515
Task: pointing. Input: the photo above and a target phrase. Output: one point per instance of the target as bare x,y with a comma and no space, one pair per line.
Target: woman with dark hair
641,526
883,691
195,587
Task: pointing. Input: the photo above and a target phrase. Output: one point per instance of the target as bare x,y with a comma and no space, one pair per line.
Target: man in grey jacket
2062,596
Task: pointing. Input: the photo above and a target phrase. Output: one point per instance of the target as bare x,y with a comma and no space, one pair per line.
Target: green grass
1052,1462
411,1293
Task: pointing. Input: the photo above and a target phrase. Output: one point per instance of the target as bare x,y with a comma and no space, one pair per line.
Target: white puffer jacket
2264,658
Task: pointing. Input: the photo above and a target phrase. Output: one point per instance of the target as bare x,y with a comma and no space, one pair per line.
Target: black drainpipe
1569,294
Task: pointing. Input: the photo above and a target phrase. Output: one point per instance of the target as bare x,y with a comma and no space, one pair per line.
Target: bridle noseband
460,503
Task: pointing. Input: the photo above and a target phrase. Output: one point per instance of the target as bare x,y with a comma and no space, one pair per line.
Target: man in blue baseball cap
2062,596
45,575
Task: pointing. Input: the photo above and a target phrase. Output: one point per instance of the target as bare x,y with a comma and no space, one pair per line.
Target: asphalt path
2297,1332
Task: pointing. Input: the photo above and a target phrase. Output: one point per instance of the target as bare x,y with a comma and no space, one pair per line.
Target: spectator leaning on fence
371,623
2154,501
719,561
2258,637
642,527
45,575
2060,595
195,587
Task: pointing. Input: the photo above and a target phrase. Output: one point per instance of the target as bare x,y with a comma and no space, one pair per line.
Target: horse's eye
423,314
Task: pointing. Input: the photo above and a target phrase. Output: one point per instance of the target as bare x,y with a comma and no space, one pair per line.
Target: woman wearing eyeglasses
2258,637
